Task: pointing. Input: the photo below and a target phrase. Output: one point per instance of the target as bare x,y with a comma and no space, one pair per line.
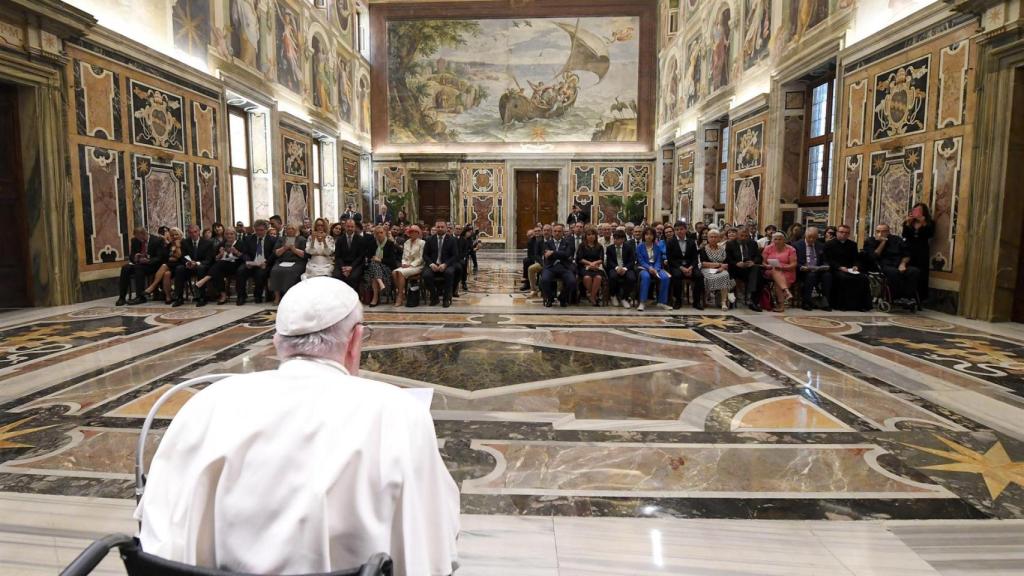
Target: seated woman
714,268
384,258
649,256
320,250
779,260
165,273
289,262
590,264
225,264
412,263
337,229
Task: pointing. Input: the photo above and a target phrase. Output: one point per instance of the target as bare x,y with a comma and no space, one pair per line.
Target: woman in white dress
320,250
412,263
715,269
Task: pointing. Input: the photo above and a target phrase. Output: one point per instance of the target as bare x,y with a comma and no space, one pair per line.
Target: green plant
636,207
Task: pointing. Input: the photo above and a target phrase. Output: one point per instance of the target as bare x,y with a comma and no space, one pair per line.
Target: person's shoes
755,306
807,307
240,301
826,308
640,307
625,303
447,303
524,288
434,301
136,301
564,304
865,310
547,303
725,306
120,302
698,305
732,298
615,301
665,307
677,305
464,287
258,300
201,302
177,303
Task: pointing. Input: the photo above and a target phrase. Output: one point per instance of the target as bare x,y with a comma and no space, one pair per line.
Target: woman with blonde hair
320,251
412,263
165,273
780,267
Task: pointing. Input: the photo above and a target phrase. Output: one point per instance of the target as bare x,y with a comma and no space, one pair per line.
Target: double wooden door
14,263
536,201
435,201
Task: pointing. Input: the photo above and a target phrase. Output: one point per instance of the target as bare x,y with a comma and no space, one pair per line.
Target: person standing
918,230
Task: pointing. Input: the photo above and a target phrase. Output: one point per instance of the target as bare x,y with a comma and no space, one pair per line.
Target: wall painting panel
157,117
945,196
852,177
749,146
746,192
103,204
901,100
895,185
161,192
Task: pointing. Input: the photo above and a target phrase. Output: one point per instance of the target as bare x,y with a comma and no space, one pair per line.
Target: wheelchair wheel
884,305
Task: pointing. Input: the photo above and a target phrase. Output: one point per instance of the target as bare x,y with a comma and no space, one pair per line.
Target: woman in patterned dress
384,258
714,268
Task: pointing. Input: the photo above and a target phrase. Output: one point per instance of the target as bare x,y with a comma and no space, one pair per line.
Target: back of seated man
145,257
306,468
892,258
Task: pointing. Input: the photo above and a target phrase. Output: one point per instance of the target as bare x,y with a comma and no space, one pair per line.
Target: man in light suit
558,254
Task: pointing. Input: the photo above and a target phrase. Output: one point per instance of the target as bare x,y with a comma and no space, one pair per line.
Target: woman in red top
784,273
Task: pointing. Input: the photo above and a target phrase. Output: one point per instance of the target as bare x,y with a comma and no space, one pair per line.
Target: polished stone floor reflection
591,414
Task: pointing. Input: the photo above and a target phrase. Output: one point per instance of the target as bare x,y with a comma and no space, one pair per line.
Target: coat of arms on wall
157,117
748,147
901,97
294,157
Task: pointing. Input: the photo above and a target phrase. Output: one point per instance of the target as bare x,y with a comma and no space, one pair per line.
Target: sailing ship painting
539,80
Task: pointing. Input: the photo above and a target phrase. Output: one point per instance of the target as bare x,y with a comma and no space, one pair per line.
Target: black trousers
220,270
138,273
823,280
751,277
472,256
448,276
181,275
676,285
549,277
850,291
259,278
622,287
353,279
902,284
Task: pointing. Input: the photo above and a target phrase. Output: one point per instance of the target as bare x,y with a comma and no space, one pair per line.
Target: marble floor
584,440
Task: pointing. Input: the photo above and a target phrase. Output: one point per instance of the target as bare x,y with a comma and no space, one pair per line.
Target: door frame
513,166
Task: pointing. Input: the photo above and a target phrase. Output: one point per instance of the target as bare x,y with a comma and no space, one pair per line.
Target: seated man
441,259
812,269
531,241
850,288
145,258
744,259
620,266
257,259
558,254
350,255
196,258
541,236
890,255
306,468
682,252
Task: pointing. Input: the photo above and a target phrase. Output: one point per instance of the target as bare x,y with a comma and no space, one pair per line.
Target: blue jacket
644,262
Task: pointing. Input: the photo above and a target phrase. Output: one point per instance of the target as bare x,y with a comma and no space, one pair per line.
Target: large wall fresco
532,80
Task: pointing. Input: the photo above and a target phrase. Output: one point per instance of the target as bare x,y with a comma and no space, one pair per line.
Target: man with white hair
303,469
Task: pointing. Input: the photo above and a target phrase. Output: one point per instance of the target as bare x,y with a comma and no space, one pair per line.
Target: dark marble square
484,364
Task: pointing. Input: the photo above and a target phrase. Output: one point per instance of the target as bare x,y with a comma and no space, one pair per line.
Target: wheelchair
138,563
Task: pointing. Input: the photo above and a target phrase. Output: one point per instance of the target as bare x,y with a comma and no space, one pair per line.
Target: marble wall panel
852,177
207,197
104,204
901,100
258,152
749,145
894,185
792,158
163,192
856,107
684,184
953,64
204,130
945,195
97,101
711,164
482,198
350,181
746,196
298,202
158,117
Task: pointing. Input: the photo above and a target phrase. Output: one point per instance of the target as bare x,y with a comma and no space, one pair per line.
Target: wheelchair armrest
94,554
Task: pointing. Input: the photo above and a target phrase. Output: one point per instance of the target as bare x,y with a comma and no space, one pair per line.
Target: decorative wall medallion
639,179
483,180
749,143
611,180
901,97
158,117
584,176
895,185
204,130
953,65
295,157
856,109
97,101
746,192
945,197
103,204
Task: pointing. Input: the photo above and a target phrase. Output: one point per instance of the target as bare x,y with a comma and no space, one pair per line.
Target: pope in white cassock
303,469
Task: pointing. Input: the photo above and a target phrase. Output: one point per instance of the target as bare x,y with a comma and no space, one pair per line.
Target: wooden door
536,201
14,263
1014,174
435,201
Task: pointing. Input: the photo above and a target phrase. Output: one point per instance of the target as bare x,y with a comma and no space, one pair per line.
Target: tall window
723,168
362,33
673,17
821,103
241,182
317,210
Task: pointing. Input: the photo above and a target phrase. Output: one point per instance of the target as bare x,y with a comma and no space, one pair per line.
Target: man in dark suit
350,255
744,259
682,252
351,214
891,256
143,259
196,258
441,259
577,216
619,266
257,259
850,285
812,268
558,266
533,236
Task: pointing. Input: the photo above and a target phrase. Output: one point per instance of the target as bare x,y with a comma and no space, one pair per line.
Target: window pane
316,162
828,183
725,145
723,186
814,159
240,198
236,124
316,200
835,102
819,110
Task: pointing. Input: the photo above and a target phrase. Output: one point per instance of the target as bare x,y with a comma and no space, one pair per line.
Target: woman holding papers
289,264
714,268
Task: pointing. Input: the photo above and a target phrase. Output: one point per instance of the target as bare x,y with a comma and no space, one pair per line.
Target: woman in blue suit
648,257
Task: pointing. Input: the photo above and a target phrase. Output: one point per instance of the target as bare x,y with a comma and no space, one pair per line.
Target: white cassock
302,469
